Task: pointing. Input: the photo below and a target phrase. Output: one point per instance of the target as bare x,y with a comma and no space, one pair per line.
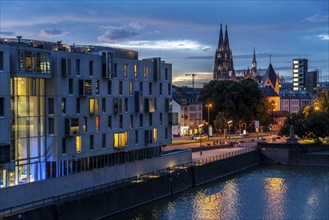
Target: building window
141,120
77,106
63,67
51,126
98,123
146,72
103,105
141,88
115,69
160,89
166,133
2,106
136,137
103,140
120,105
93,106
155,134
91,142
125,70
160,118
131,87
97,87
120,139
120,87
115,105
126,104
63,105
78,144
109,122
63,145
1,60
166,74
169,88
109,87
91,68
69,67
131,124
120,121
150,88
71,86
77,67
85,125
135,71
50,106
150,119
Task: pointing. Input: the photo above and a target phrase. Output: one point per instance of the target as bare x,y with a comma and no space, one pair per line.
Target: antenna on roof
270,59
19,38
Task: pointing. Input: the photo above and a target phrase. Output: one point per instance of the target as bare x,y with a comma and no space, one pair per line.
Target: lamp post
229,131
208,106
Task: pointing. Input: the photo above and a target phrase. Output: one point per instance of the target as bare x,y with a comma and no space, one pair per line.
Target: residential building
311,81
294,101
300,68
67,109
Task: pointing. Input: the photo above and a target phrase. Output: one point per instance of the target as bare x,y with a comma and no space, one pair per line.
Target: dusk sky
184,33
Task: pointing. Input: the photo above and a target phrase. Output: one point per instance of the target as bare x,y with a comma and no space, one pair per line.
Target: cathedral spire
220,41
254,62
226,41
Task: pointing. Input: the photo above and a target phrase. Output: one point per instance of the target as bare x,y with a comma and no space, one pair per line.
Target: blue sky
184,33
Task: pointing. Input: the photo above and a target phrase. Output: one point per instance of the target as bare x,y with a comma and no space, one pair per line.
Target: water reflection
275,189
220,205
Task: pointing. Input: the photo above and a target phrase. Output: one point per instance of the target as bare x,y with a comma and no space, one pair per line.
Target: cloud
163,45
317,18
323,36
7,33
52,33
266,55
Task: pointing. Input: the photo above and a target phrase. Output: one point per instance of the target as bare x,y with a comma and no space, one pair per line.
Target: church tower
223,58
254,63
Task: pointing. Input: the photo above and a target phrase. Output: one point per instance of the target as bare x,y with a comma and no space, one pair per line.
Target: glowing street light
208,106
229,130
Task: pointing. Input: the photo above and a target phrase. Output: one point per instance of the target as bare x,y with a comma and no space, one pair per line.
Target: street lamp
229,130
208,106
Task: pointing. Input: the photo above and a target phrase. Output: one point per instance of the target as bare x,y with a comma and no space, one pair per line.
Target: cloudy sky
184,33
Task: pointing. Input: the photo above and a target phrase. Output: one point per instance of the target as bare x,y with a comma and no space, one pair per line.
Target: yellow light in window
131,88
155,134
296,66
295,70
295,61
91,106
78,144
135,71
295,75
97,123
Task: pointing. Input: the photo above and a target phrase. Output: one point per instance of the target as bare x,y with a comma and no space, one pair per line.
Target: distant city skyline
184,33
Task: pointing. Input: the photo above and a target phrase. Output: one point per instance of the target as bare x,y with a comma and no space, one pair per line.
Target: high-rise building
300,68
311,81
223,58
65,110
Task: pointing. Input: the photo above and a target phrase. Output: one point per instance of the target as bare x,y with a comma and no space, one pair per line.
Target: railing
224,156
56,199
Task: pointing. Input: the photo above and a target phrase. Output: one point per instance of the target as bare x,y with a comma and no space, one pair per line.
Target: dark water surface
264,192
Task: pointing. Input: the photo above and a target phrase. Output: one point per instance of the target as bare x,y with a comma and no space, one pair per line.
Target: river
263,192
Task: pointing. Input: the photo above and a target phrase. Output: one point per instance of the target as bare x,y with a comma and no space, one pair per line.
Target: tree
220,122
322,102
239,102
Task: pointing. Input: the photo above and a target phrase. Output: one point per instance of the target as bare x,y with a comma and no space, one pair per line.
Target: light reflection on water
265,192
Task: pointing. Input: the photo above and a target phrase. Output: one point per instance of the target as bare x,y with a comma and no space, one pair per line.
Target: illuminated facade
300,67
66,109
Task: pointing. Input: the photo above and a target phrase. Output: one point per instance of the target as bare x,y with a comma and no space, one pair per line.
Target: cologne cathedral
223,58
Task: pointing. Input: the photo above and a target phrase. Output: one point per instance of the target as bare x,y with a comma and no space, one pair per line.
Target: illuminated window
120,139
131,87
78,144
84,124
97,123
295,84
135,71
295,75
295,61
296,66
125,70
146,72
155,134
295,70
91,106
295,80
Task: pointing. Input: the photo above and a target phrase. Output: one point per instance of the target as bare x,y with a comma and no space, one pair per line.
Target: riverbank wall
294,154
110,199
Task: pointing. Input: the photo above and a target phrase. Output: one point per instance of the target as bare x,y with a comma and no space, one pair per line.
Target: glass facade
27,130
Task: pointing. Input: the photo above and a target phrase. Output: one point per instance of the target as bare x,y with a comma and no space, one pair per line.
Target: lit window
84,124
125,70
120,139
91,106
155,134
296,66
295,80
131,87
295,70
97,123
78,144
135,71
295,61
295,75
146,72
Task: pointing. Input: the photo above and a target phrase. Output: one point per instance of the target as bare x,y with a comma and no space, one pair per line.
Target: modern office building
300,68
67,109
311,81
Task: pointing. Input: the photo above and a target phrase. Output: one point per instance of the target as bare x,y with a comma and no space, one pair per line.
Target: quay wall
109,201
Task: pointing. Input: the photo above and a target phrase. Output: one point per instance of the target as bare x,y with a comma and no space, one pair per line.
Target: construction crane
193,75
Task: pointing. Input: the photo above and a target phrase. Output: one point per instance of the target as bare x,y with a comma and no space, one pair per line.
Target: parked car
198,136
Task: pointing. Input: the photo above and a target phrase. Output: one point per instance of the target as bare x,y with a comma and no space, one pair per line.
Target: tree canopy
237,101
